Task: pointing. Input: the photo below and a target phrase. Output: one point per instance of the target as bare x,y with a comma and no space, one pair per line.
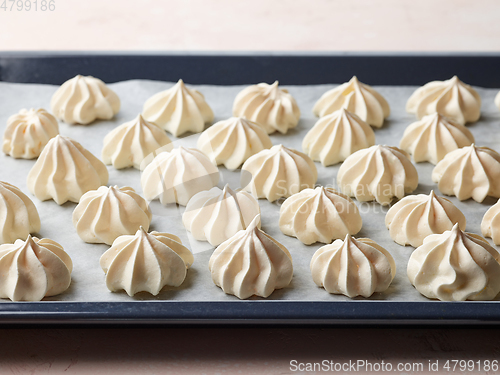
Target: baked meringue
455,266
278,172
356,97
174,177
251,263
231,142
431,138
490,225
451,98
65,171
497,100
28,132
82,100
377,173
268,105
129,144
18,214
336,136
178,110
469,172
417,216
146,262
33,269
319,215
109,212
353,267
216,215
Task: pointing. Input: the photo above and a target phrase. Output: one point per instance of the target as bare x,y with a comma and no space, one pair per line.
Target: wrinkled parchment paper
88,282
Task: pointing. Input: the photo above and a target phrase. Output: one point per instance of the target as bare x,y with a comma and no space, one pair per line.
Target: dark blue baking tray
291,69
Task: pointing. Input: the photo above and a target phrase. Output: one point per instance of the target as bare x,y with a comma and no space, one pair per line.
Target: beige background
270,25
244,25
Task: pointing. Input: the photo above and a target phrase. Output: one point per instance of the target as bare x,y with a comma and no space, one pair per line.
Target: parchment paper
88,282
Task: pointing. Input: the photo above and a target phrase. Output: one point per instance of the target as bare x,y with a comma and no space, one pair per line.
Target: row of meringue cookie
180,109
252,263
331,140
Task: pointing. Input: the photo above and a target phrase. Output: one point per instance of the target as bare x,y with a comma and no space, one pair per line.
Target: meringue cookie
233,141
497,100
65,171
216,215
82,100
490,225
268,105
353,267
178,175
356,97
146,262
452,98
109,212
336,136
319,215
377,173
417,216
431,138
18,214
129,144
33,269
455,266
469,172
278,172
251,263
178,110
28,132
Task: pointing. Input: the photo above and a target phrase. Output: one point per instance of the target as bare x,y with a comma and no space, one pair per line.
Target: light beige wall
280,25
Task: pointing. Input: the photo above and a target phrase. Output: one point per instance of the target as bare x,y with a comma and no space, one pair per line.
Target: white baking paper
88,282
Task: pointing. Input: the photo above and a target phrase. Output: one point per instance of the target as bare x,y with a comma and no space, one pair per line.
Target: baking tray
292,69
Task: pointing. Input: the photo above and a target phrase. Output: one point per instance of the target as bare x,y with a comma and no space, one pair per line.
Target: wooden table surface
244,25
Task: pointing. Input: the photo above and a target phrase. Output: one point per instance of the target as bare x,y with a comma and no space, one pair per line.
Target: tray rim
250,311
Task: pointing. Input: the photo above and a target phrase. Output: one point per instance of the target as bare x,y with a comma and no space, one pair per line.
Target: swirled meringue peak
174,177
129,144
278,172
353,267
452,98
336,136
251,263
319,215
490,225
231,142
178,110
273,108
18,215
146,262
109,212
28,132
377,173
82,100
469,172
497,100
431,138
455,266
65,171
417,216
33,269
356,97
216,215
